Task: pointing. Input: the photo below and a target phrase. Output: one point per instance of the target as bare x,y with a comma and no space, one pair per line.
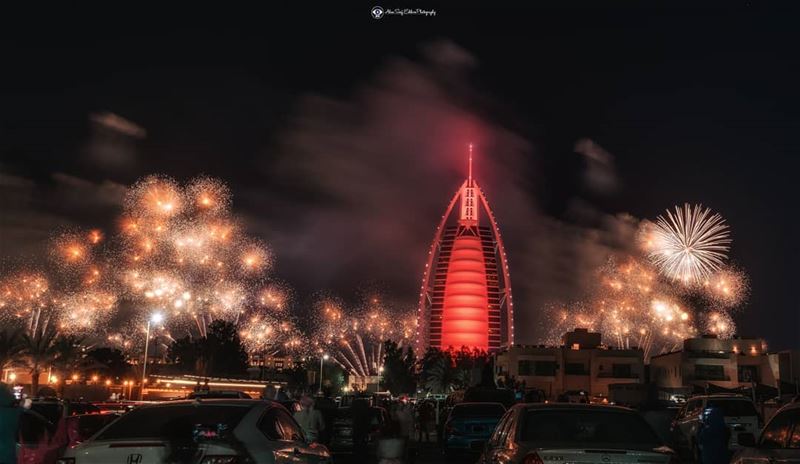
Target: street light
155,318
321,360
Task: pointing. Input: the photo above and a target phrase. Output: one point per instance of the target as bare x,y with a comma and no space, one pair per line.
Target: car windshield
581,428
89,424
174,422
733,408
478,410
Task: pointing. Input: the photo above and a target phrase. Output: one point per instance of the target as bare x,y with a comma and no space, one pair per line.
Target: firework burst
631,307
86,311
186,254
689,244
726,288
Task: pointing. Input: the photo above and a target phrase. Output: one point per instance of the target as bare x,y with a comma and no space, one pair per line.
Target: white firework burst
689,244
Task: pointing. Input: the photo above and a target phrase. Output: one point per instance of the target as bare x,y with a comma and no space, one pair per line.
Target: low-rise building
735,363
580,363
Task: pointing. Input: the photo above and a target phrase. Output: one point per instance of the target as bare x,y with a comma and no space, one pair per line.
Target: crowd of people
395,440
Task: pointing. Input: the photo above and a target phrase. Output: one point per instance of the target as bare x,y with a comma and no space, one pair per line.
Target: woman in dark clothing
9,425
712,438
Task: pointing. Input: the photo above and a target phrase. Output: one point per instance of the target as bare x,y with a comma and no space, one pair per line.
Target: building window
709,372
621,371
748,374
575,369
545,368
524,367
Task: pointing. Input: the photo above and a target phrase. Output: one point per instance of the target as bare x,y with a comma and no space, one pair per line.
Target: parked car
469,426
584,433
202,431
740,417
778,442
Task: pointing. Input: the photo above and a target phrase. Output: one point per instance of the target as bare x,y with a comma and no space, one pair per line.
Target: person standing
425,421
9,425
712,438
310,419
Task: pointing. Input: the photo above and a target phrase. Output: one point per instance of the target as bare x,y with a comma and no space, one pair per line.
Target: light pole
321,360
156,318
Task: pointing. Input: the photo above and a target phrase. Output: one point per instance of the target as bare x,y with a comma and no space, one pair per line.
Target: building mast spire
469,183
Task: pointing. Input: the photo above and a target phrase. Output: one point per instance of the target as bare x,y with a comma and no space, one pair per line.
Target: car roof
244,402
720,396
789,407
574,406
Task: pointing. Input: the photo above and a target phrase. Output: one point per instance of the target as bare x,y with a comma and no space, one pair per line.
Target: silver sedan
575,433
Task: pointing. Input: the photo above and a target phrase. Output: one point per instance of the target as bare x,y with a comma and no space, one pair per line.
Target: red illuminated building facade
465,298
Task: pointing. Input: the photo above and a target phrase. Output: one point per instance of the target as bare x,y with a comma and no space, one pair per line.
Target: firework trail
689,244
355,338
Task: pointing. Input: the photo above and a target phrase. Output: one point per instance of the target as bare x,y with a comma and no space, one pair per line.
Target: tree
68,353
222,350
183,354
111,359
39,351
398,369
67,356
10,348
445,371
219,354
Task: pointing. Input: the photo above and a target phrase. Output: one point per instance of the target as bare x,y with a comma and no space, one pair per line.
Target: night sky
342,137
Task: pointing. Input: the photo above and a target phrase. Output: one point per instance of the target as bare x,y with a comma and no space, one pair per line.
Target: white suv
740,417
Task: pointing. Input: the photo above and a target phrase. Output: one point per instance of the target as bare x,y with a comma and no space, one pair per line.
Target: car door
35,440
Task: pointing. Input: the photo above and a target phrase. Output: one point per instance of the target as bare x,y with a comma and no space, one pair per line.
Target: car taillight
210,459
532,458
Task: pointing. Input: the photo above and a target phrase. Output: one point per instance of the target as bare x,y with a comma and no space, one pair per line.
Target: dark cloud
33,211
112,144
600,174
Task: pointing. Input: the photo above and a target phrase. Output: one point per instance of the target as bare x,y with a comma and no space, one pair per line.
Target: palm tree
10,348
67,355
38,348
445,371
